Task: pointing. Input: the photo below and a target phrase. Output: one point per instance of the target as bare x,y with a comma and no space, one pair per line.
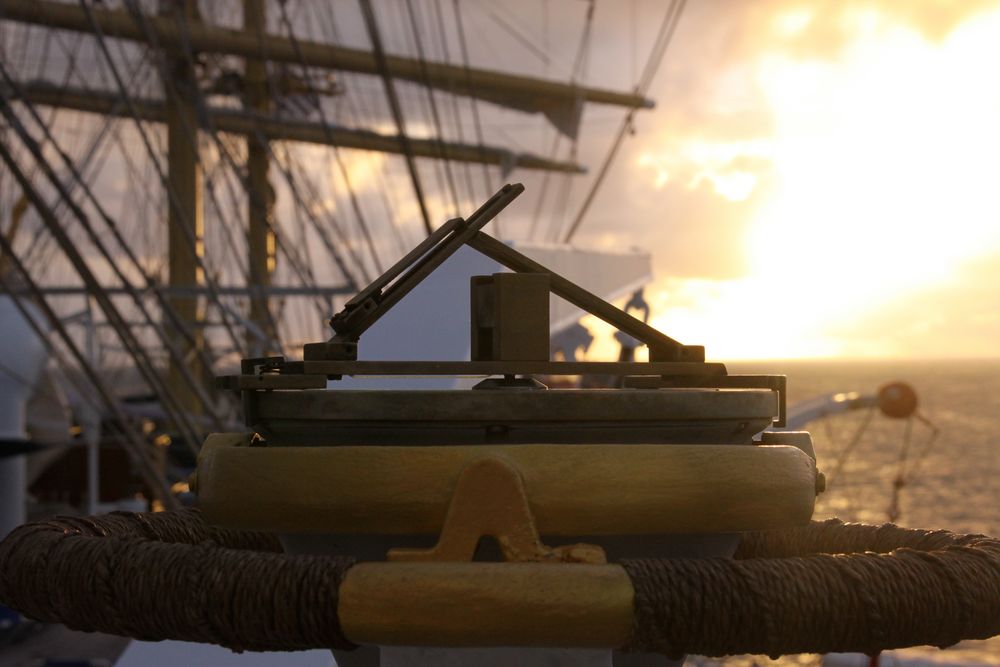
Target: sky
819,179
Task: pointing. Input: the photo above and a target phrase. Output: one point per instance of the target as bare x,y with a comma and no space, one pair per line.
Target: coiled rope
825,587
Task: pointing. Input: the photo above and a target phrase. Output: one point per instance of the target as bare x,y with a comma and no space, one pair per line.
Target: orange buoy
897,400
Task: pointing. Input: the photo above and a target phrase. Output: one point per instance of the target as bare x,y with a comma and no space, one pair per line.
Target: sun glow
881,179
727,168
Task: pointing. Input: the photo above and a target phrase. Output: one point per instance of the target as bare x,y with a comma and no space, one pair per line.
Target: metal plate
387,417
483,368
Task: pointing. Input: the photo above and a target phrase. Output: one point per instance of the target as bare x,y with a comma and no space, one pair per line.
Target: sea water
952,480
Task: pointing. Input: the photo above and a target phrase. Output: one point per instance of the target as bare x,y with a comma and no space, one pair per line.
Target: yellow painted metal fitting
572,490
487,604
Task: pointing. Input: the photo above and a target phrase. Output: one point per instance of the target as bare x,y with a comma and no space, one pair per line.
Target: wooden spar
261,242
186,227
520,92
273,129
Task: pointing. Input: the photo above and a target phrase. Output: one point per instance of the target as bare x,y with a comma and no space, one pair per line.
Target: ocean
952,481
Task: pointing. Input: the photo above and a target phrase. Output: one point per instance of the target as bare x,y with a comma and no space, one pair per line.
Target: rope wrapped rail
825,587
168,575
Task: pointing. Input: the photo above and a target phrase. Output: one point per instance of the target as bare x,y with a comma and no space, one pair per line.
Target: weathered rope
825,587
170,576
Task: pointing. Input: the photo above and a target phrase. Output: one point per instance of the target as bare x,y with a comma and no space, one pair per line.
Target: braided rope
169,576
821,588
824,587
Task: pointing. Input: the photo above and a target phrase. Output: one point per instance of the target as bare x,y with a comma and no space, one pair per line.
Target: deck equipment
643,517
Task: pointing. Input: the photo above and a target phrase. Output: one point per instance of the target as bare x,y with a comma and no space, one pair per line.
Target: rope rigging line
371,25
134,443
216,170
456,114
79,179
127,98
234,171
348,102
431,99
849,448
304,322
473,102
296,176
223,218
142,360
287,169
226,155
413,97
667,28
578,65
517,33
300,267
8,283
905,470
899,481
135,349
932,436
70,52
65,199
187,226
341,166
225,152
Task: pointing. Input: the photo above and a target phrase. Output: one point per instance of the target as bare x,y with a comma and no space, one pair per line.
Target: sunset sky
820,179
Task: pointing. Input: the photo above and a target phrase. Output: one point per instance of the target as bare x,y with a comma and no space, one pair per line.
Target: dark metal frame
672,364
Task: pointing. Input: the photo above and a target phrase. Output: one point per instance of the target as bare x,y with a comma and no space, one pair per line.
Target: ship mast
185,228
520,92
260,235
179,33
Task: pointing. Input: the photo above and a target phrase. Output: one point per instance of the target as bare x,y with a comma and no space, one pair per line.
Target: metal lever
387,290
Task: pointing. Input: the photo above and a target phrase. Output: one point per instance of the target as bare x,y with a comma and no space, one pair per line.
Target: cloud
955,318
822,29
831,161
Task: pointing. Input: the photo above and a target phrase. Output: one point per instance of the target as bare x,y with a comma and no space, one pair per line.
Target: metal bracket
387,290
371,303
490,500
260,365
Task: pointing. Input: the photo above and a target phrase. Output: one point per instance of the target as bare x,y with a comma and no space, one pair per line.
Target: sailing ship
288,166
205,120
243,210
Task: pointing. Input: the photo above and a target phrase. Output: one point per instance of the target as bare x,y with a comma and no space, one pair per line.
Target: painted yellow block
486,604
573,490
